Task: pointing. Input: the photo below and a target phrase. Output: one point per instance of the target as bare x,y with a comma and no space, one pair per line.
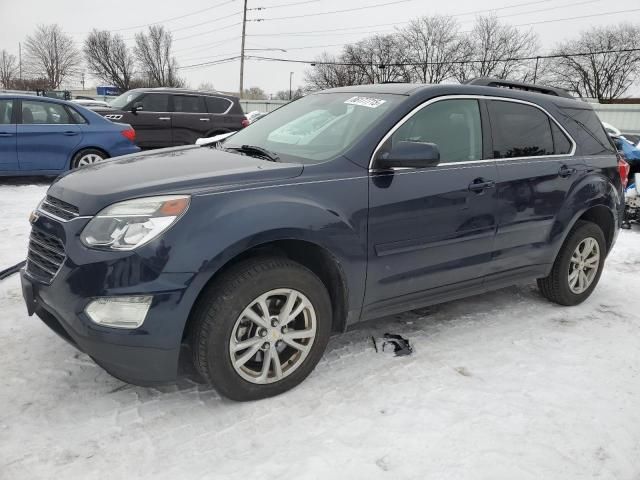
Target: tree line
51,56
434,49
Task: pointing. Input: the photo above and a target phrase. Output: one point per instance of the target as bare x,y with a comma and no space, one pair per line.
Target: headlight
129,224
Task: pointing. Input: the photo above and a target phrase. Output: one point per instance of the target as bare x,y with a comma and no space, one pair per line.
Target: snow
500,386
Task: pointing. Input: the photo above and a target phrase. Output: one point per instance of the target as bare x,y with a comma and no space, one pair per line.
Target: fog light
119,312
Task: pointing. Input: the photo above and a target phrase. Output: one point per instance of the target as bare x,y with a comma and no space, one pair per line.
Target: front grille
46,255
58,208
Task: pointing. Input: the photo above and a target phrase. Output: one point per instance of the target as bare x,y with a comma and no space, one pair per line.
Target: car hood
191,169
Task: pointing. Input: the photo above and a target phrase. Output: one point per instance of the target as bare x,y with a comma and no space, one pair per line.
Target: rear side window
155,102
188,104
6,111
453,125
519,130
218,105
38,113
587,131
77,118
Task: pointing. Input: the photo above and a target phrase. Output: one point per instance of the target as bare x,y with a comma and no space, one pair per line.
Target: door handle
70,134
565,171
479,185
5,134
204,120
164,119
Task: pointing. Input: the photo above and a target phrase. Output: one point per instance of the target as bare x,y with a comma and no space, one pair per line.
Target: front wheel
578,266
261,328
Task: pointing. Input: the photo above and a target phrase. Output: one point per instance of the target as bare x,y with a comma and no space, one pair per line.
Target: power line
170,19
407,64
205,23
317,14
197,48
208,32
454,62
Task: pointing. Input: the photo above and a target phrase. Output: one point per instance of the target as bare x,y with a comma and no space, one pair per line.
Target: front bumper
145,355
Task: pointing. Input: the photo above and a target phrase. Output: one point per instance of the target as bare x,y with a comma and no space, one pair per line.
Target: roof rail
512,85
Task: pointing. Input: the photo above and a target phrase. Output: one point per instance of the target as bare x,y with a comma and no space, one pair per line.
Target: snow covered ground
501,386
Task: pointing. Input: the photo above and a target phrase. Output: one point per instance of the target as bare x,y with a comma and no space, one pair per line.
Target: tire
86,157
220,323
556,287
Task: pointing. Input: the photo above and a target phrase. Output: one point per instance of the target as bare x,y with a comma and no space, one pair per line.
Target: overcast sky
207,35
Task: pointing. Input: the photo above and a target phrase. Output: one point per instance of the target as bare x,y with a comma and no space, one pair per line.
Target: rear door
47,136
153,122
536,169
8,130
431,230
190,119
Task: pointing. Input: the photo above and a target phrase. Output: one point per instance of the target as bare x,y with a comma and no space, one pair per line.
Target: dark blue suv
346,205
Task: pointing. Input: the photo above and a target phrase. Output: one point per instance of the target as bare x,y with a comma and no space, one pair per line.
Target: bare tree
433,44
493,49
153,51
50,53
284,94
254,93
378,59
8,68
207,86
109,59
599,75
330,72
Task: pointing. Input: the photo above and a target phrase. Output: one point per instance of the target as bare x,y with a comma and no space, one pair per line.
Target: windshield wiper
254,150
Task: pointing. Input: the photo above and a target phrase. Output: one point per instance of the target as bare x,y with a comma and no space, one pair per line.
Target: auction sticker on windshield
365,102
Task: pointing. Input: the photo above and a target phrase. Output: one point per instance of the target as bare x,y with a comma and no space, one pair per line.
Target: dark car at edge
346,205
165,117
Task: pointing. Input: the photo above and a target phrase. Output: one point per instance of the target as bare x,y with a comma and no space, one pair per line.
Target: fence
625,118
261,105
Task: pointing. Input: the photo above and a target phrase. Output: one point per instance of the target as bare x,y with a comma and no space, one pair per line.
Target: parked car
90,103
165,117
45,136
632,137
346,205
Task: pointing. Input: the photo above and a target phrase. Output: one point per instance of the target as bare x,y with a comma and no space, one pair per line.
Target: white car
90,103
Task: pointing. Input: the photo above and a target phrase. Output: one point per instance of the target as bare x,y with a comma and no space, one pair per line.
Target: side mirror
409,155
136,107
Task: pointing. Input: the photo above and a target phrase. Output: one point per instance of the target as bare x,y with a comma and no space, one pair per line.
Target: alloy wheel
273,336
583,266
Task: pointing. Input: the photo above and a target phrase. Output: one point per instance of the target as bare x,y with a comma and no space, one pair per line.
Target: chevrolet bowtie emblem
33,217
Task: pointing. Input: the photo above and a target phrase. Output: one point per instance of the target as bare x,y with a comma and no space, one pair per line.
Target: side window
155,102
188,104
453,125
519,130
38,113
6,111
217,104
77,117
561,144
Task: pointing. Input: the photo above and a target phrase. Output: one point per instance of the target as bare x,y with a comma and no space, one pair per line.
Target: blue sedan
45,136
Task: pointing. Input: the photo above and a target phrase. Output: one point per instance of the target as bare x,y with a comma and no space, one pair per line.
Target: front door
47,136
431,230
153,123
535,172
8,143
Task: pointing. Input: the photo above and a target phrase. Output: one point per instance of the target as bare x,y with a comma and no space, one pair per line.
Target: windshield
124,99
315,128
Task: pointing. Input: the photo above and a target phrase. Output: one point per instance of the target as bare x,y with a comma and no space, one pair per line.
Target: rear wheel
578,266
261,328
86,157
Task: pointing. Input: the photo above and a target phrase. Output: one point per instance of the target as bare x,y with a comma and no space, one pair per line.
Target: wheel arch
79,149
313,256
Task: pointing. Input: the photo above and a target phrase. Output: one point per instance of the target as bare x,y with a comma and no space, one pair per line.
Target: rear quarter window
218,105
587,131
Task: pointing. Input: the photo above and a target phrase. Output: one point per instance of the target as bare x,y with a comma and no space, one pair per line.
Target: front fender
218,227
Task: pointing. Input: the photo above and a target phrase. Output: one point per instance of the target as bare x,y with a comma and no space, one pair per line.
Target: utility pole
244,31
290,84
